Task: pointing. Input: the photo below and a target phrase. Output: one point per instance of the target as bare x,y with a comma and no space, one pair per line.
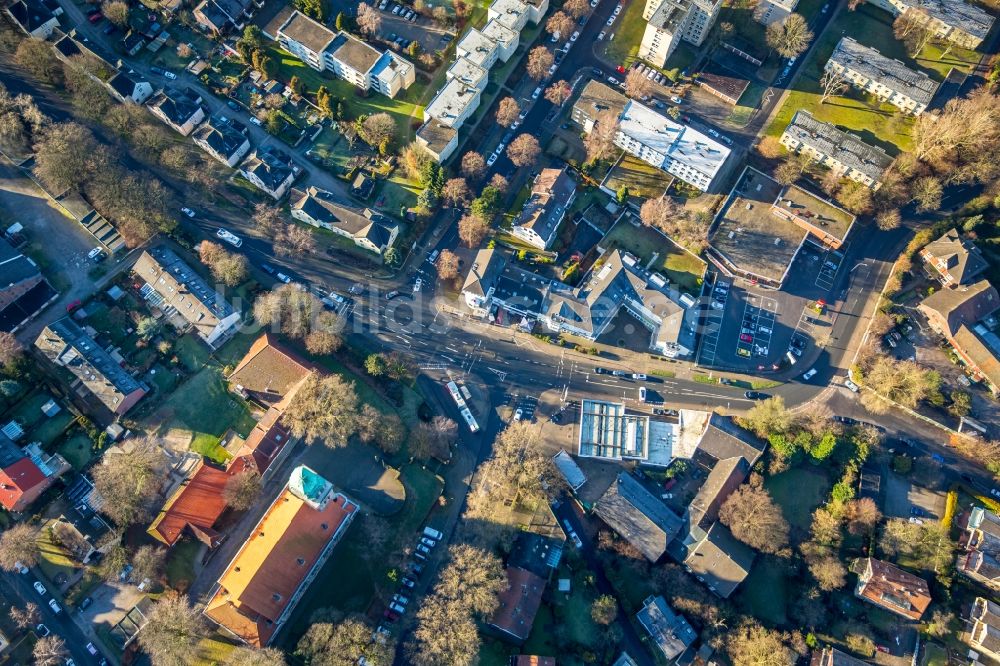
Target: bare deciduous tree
472,230
377,129
434,439
576,8
524,150
173,631
927,192
753,518
27,617
789,37
293,240
247,656
664,214
296,312
266,218
753,645
37,57
637,85
10,348
242,489
539,61
116,11
447,266
558,92
324,408
507,111
473,578
600,141
344,644
148,562
832,83
129,481
889,219
560,25
473,165
862,515
49,651
517,469
456,192
445,634
828,571
369,19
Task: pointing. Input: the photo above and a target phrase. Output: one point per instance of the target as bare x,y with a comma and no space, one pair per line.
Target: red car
73,306
620,69
746,337
389,615
95,17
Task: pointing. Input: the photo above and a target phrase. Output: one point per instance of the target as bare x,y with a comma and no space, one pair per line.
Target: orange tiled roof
262,579
262,445
16,480
892,588
269,369
198,503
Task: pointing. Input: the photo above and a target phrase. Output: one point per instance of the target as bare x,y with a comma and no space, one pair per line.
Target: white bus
456,395
470,420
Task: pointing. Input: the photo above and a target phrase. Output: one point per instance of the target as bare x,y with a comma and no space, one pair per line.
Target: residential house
35,17
481,281
670,632
519,604
844,153
269,373
985,635
726,476
616,283
721,439
261,586
184,296
180,113
964,23
263,449
597,100
677,149
26,473
893,589
368,229
638,516
222,141
981,561
716,558
271,170
670,21
887,79
23,290
439,140
552,193
957,314
96,374
194,507
956,260
220,16
125,90
345,55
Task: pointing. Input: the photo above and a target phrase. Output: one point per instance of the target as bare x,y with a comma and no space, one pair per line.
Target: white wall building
669,21
842,152
887,79
453,104
478,48
964,23
505,38
469,73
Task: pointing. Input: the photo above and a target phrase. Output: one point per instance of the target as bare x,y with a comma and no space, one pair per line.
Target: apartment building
346,56
177,111
512,14
506,39
439,140
887,79
469,73
958,21
552,193
368,229
772,11
595,100
842,152
453,104
222,141
478,49
671,146
985,634
669,21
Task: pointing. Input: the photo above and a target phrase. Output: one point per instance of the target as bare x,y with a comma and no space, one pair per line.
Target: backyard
877,123
659,254
628,30
643,180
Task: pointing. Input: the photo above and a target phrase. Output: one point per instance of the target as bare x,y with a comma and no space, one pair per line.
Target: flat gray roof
842,146
893,74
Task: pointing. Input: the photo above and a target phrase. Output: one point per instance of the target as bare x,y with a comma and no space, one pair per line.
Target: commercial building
368,229
669,21
828,224
260,587
346,56
887,79
845,154
670,146
964,23
609,431
97,374
552,193
893,589
184,296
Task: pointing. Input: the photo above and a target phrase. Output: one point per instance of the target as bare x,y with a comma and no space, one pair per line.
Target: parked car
54,606
676,100
20,568
809,374
283,278
391,295
39,588
254,120
851,385
417,285
430,543
746,337
229,237
845,420
602,371
433,533
85,603
95,17
170,75
755,395
92,650
400,599
639,376
407,583
575,36
600,35
421,548
157,70
492,158
396,608
42,631
518,414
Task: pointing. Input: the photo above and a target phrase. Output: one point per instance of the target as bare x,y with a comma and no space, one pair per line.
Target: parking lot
399,31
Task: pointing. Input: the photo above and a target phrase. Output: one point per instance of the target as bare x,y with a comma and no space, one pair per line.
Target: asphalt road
18,586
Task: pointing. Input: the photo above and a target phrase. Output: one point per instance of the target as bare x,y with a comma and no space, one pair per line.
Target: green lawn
28,412
76,450
798,492
628,31
192,352
52,428
642,180
764,593
934,655
180,567
397,194
52,559
404,109
880,124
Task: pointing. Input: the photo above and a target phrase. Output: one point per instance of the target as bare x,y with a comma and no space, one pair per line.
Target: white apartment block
887,79
670,146
961,22
478,48
505,38
772,11
469,73
842,152
669,21
453,104
346,56
511,14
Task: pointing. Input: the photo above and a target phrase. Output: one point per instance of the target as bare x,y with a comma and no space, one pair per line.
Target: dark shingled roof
642,519
723,439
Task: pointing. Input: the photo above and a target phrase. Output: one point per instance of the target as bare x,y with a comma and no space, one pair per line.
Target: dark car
268,268
157,70
602,371
596,72
846,420
798,343
756,395
85,603
233,105
111,29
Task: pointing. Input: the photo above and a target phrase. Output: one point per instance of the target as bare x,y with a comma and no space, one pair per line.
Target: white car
39,588
611,21
810,374
851,385
395,10
676,100
256,121
552,69
284,278
188,212
229,237
639,376
417,285
536,93
433,533
491,159
575,36
995,492
594,3
20,568
170,75
54,606
600,35
612,80
618,10
518,414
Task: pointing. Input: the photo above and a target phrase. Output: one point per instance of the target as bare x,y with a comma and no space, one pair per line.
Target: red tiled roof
17,480
890,587
197,504
519,603
262,445
269,370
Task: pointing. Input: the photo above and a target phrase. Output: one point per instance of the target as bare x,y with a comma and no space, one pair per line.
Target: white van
433,533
